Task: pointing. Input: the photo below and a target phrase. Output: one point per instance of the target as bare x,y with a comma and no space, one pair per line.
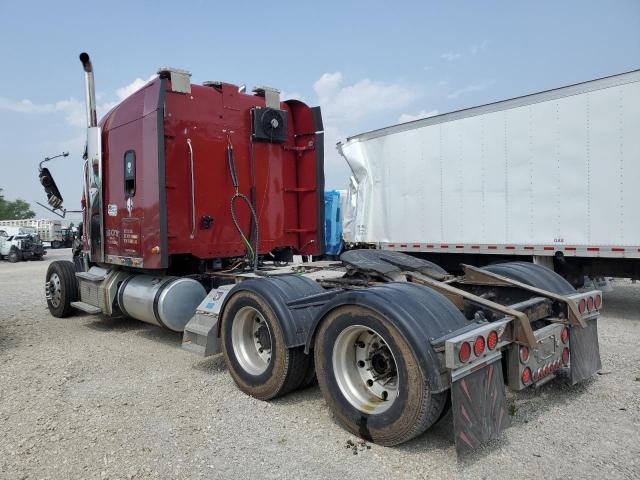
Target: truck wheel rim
251,340
365,369
54,289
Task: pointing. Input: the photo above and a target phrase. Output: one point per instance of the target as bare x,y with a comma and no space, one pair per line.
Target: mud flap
479,407
585,351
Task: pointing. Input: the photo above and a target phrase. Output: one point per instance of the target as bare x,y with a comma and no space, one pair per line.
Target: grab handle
193,191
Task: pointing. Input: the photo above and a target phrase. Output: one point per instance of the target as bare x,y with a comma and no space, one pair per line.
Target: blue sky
368,64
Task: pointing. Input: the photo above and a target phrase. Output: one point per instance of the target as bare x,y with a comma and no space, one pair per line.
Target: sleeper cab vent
180,79
269,125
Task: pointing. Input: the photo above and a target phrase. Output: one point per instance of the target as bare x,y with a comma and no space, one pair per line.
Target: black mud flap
479,407
585,351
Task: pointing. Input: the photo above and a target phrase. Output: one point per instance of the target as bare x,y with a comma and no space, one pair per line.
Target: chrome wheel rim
252,341
365,369
55,289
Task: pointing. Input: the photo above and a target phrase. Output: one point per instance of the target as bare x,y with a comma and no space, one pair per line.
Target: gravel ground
87,397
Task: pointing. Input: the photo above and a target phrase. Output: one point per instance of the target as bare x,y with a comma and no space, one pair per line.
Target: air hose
251,252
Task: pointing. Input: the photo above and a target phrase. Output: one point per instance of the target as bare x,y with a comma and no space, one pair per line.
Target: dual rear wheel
254,349
367,372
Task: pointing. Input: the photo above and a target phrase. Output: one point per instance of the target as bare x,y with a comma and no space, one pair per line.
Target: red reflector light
582,304
465,352
598,301
478,346
524,354
526,375
565,356
564,336
590,304
492,339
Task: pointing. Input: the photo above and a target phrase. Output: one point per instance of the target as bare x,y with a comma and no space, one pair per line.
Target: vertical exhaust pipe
90,90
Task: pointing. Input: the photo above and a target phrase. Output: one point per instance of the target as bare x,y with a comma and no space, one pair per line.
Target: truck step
85,307
90,276
195,348
201,335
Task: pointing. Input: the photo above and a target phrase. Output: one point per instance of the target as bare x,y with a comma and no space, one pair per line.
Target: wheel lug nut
261,350
360,363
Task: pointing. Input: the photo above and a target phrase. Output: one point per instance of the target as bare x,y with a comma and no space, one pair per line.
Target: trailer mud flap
585,351
479,407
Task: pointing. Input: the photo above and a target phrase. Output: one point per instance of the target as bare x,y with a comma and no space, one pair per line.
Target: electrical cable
253,254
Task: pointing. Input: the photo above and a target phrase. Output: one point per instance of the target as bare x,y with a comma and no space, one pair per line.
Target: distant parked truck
20,243
550,178
50,231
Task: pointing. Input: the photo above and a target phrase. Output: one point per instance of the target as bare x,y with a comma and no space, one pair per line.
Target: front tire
14,255
371,379
62,288
254,349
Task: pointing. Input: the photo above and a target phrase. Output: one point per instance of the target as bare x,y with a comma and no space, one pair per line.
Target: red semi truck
196,197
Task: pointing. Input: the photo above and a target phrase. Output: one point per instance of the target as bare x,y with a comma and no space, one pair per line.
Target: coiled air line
253,253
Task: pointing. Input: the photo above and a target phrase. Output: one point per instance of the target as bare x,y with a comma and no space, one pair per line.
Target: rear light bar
474,345
528,366
588,303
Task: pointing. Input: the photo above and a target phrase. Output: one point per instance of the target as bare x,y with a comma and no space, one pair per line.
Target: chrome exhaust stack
90,90
93,216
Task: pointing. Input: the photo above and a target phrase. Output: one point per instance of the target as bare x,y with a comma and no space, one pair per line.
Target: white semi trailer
550,177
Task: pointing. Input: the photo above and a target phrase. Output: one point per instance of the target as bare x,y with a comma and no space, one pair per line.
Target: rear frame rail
522,332
477,276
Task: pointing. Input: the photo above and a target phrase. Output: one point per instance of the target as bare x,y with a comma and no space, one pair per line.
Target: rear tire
254,349
357,352
63,288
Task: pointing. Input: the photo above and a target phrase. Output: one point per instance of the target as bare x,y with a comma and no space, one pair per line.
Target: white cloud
349,103
348,109
291,96
443,83
137,84
451,56
478,48
72,108
477,87
407,117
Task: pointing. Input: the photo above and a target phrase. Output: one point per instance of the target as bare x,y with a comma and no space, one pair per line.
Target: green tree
15,210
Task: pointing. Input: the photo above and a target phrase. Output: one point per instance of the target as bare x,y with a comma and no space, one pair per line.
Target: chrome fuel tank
169,302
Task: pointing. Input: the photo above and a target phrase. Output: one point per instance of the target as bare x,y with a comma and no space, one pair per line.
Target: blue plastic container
332,223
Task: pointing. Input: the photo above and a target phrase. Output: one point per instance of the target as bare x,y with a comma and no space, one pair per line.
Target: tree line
14,210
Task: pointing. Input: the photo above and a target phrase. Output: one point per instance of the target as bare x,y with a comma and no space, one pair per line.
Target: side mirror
54,198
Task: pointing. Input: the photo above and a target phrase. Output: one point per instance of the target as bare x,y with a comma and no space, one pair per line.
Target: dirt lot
87,397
